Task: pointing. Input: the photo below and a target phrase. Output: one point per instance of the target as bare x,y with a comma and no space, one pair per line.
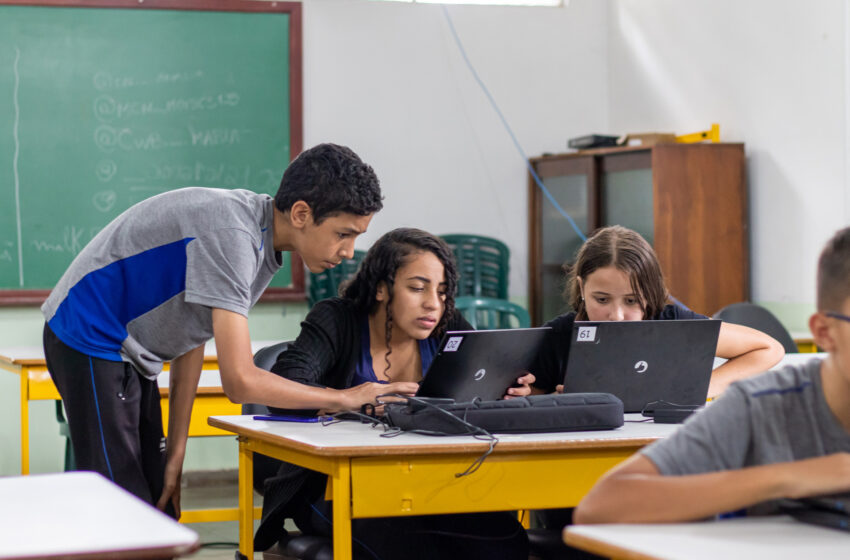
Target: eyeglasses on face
837,315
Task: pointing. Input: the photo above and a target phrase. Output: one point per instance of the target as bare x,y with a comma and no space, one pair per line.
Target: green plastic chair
326,284
65,431
482,265
485,313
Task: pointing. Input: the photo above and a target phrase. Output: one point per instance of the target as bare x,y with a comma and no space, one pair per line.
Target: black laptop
647,364
826,511
481,364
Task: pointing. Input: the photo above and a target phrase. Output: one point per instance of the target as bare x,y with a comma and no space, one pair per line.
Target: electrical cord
476,432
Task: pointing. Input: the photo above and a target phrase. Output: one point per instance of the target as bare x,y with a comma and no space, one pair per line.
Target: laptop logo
641,366
479,375
452,344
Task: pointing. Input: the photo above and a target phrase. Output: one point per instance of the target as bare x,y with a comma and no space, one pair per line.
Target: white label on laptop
452,344
586,334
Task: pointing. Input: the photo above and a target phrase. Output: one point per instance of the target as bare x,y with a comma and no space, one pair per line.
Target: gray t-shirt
775,417
143,289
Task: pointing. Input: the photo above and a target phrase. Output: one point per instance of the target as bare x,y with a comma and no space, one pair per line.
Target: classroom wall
773,74
388,80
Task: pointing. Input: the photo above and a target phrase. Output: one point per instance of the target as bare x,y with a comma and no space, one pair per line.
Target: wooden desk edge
601,548
471,447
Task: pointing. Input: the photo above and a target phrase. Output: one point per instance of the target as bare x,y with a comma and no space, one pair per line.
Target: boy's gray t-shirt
775,417
143,289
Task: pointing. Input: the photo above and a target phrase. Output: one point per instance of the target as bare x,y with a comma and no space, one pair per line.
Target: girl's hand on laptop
522,387
559,389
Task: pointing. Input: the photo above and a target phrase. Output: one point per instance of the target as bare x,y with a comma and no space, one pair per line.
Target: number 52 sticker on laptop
452,344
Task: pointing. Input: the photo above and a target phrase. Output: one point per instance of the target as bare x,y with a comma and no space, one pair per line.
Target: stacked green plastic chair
485,313
326,284
482,264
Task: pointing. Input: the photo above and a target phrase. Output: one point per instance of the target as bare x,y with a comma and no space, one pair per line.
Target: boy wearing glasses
781,435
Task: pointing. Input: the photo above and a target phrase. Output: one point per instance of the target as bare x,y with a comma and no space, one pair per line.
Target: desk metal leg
342,509
25,424
246,500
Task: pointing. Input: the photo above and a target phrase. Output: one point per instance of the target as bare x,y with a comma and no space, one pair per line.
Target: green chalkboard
102,107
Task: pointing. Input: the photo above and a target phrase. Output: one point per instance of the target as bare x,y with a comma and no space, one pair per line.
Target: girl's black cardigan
325,354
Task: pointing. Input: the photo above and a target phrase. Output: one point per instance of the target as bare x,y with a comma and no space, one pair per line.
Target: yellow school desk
35,385
83,515
748,538
804,341
412,474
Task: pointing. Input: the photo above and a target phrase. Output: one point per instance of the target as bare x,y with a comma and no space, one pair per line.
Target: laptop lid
643,362
481,364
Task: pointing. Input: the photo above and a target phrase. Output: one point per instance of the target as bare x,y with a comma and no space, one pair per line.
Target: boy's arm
635,491
243,382
184,373
749,352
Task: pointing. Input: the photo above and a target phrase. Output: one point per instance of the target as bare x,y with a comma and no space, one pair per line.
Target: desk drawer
206,405
40,386
422,485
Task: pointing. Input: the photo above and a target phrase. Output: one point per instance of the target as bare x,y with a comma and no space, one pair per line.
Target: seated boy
783,435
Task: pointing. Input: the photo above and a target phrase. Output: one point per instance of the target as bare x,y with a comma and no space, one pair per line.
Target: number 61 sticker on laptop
586,334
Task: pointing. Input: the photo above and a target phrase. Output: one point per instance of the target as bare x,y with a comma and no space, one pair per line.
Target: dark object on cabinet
688,200
591,141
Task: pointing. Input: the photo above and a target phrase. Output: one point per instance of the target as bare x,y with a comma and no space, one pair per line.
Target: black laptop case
535,413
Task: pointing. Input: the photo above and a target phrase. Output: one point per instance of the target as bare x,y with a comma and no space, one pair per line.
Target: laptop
647,364
826,511
481,364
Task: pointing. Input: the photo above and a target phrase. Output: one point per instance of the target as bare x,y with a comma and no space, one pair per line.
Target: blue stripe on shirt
94,315
798,389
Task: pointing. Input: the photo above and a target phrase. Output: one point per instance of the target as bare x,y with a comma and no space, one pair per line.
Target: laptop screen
481,364
642,362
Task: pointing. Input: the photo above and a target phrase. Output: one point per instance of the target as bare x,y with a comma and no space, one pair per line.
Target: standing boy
167,275
782,435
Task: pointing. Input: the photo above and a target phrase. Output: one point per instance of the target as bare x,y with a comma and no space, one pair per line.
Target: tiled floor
219,540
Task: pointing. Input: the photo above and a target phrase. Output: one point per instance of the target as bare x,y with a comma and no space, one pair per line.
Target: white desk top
776,537
37,352
209,378
82,514
356,439
799,358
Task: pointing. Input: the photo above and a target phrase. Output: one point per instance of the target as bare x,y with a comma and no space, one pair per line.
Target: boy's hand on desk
524,386
354,397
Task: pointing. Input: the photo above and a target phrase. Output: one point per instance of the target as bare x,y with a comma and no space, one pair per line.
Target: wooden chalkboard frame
296,291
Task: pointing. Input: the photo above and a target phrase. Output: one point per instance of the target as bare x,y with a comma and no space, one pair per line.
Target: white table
412,474
787,359
749,538
83,515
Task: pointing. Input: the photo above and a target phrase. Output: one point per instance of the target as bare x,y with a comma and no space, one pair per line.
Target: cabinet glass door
569,182
626,193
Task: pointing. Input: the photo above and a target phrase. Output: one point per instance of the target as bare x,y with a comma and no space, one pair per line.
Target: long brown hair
389,253
627,251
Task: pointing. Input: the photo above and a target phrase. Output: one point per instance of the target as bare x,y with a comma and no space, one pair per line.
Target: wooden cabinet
688,200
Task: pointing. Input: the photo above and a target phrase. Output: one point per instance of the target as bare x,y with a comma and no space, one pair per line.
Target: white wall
388,80
772,73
